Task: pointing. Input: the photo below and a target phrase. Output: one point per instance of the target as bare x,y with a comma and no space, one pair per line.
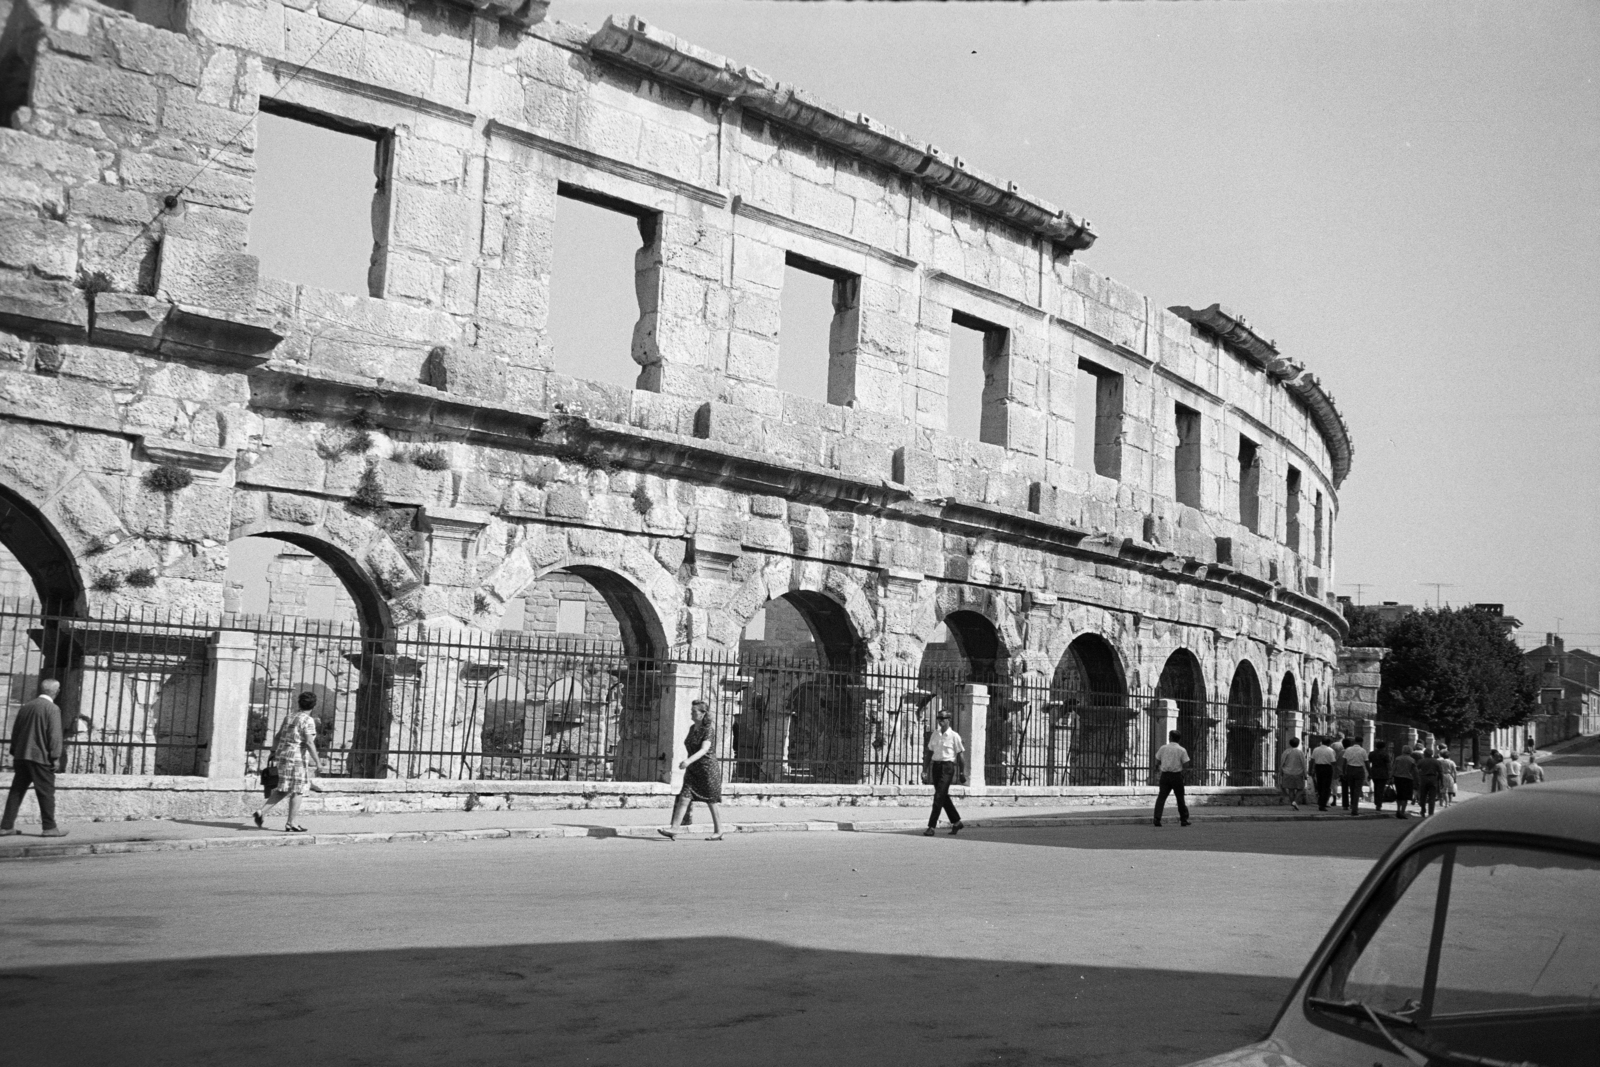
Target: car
1474,941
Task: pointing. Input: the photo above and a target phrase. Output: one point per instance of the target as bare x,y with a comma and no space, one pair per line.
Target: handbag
1388,793
269,777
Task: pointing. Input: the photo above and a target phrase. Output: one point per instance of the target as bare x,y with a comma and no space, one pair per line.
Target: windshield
1492,950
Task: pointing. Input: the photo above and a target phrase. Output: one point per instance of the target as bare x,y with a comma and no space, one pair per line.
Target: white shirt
1323,755
945,746
1355,756
1171,757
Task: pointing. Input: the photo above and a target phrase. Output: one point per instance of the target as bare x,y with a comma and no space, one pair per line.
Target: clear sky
1404,194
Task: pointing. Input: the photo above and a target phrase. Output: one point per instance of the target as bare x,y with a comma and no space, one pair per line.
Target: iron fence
469,704
132,689
460,704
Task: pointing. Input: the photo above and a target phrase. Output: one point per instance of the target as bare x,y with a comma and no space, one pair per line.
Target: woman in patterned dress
702,774
294,753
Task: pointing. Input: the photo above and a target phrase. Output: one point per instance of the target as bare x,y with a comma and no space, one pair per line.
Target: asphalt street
1092,945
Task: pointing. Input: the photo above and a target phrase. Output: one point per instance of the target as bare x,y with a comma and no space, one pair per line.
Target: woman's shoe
928,832
294,829
713,837
670,835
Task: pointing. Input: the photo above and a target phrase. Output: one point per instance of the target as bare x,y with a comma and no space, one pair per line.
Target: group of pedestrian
1415,773
1507,772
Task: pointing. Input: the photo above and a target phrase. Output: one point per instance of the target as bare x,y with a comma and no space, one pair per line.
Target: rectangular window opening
1291,510
819,330
1186,458
1316,530
1249,484
571,616
321,192
979,381
604,272
1098,443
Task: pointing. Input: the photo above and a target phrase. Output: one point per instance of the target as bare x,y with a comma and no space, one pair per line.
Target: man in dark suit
35,747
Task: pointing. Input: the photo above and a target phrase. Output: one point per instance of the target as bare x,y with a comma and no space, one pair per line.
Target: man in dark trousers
35,747
1170,759
947,765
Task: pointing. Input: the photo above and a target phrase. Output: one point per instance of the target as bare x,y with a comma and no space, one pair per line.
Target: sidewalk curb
274,840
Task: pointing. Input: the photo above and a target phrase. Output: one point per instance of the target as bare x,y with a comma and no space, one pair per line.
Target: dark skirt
702,780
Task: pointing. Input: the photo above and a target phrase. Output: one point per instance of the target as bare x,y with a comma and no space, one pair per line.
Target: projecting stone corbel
452,544
714,557
208,462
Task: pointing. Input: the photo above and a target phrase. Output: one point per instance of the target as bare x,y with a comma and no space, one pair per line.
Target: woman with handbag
702,774
294,758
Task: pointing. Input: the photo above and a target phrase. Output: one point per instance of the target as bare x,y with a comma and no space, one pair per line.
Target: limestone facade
137,335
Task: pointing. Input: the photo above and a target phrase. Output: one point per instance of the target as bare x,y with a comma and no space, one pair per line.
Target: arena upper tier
142,349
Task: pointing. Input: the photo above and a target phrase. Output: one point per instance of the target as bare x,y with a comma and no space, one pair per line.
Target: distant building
1508,623
1569,690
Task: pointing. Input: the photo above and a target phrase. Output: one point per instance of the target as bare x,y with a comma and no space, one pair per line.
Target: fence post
680,686
1369,733
225,712
1163,720
972,723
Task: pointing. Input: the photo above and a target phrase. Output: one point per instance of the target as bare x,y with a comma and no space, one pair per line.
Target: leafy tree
1455,671
1367,629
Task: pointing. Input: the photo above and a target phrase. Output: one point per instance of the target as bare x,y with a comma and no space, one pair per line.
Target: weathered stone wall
136,334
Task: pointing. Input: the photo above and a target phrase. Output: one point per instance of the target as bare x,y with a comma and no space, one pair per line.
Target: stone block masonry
415,440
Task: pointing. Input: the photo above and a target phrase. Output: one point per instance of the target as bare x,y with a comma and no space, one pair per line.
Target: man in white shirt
1322,760
1355,774
948,762
1170,759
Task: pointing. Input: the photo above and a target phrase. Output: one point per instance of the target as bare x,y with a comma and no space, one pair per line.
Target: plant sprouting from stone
430,459
106,582
141,578
168,478
641,499
369,494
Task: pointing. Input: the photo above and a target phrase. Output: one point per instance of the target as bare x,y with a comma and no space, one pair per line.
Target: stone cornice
1234,334
418,409
636,44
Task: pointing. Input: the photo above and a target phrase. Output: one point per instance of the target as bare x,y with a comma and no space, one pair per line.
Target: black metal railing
468,704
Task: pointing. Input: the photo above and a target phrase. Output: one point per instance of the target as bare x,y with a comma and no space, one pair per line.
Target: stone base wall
103,798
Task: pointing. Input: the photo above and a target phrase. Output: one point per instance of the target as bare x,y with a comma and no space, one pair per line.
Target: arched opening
321,627
575,694
40,592
1246,726
1092,724
966,649
586,605
799,712
35,563
1288,708
1183,682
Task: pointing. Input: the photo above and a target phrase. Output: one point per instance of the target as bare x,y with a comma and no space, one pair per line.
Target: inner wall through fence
504,706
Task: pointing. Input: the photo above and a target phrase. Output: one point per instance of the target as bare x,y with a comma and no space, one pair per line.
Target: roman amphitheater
506,581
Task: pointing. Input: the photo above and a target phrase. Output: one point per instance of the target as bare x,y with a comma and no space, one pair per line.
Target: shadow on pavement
1366,837
680,1001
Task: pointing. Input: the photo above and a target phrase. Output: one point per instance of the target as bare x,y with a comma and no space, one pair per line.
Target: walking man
1170,759
1293,770
1379,765
948,759
1532,773
1322,761
1430,779
35,747
1355,774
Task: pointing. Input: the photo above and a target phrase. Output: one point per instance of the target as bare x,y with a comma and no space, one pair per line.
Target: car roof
1566,809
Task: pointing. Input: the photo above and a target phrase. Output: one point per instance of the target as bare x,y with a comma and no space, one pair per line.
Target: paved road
1086,945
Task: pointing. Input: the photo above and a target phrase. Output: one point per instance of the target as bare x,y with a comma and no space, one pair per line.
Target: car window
1383,960
1520,932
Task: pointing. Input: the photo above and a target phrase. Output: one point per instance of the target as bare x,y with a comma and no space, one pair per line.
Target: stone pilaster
225,712
680,687
972,723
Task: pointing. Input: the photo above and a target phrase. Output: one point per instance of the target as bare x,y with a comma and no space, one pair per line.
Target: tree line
1453,671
